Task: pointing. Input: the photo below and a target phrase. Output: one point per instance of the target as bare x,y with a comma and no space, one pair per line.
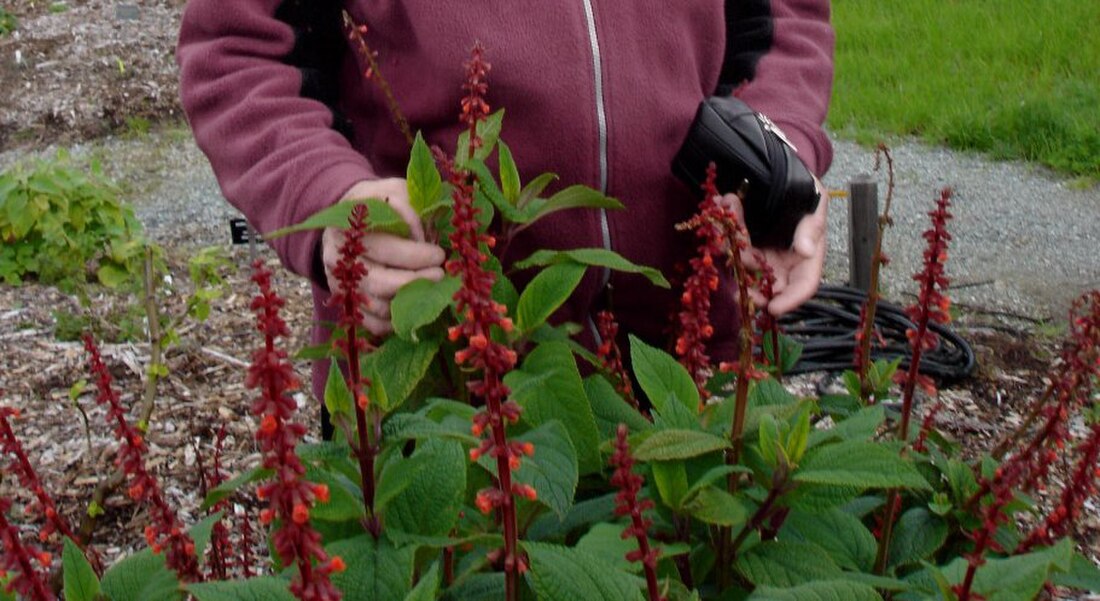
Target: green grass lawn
1012,78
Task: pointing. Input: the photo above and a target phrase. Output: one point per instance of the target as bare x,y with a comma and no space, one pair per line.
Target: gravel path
1026,241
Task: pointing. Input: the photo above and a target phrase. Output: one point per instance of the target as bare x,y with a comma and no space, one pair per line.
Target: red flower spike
143,487
18,560
289,495
28,478
611,356
627,503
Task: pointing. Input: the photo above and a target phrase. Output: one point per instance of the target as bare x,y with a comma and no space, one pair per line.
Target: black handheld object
753,156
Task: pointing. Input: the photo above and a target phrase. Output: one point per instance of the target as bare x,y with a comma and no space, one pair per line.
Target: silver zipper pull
772,127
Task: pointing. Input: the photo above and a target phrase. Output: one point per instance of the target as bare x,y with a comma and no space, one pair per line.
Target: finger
810,232
802,284
393,251
416,229
377,326
379,307
383,282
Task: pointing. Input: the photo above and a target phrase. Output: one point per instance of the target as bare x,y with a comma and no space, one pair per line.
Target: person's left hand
797,269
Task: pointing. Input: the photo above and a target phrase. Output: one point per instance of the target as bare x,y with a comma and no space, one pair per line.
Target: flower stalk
356,33
611,356
165,532
19,560
289,496
866,331
628,504
28,478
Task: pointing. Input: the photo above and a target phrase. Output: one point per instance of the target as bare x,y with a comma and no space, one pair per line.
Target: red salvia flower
480,318
1082,484
165,532
611,356
19,560
695,328
766,323
221,548
28,478
474,106
289,495
931,307
627,503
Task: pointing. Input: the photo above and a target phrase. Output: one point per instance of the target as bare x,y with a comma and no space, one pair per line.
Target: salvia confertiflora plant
481,453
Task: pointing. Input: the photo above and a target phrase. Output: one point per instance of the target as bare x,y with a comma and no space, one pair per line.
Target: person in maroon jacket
600,92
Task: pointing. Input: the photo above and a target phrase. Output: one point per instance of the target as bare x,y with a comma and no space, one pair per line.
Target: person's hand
391,261
797,269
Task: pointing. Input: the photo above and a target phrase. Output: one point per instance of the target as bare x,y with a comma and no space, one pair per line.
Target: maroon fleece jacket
600,92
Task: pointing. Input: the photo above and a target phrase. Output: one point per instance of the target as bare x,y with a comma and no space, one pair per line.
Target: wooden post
862,229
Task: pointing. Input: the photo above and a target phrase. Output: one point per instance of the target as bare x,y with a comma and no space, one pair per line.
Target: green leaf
670,477
546,292
847,541
345,502
531,191
509,174
716,506
262,588
488,130
81,583
563,574
428,587
396,368
799,437
606,542
769,441
412,426
860,426
201,531
488,189
430,504
552,470
376,570
610,409
381,217
422,178
584,513
478,587
823,590
337,394
140,577
230,486
786,564
419,303
112,276
917,535
665,445
661,376
859,464
548,386
1082,575
573,197
595,257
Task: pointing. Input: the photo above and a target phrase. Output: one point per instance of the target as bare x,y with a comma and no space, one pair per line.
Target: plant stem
376,75
877,261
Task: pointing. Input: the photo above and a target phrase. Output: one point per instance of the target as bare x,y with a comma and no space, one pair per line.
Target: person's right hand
391,261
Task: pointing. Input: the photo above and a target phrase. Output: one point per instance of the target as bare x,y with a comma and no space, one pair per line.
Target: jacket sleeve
782,51
274,151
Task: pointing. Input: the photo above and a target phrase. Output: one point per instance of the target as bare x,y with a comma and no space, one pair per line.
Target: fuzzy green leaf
917,535
610,409
262,588
661,376
715,506
422,178
786,564
666,445
670,477
428,586
563,574
338,399
381,217
376,570
488,129
509,174
551,471
847,541
80,583
597,257
823,590
230,486
396,368
573,197
859,464
548,386
546,292
140,577
419,303
860,426
429,505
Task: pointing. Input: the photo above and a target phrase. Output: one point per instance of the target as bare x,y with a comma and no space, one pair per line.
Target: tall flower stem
356,33
867,316
18,558
628,504
29,480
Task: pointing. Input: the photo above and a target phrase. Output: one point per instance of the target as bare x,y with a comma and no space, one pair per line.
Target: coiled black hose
825,326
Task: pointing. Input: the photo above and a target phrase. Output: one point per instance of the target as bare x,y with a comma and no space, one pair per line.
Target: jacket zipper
601,124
